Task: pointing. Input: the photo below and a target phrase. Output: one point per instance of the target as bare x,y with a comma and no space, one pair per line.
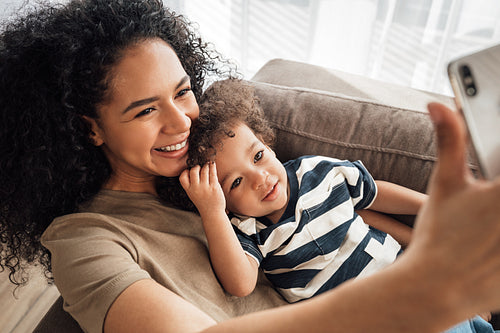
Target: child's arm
393,199
396,199
236,271
398,230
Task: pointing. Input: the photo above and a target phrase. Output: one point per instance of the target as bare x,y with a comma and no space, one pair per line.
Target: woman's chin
173,171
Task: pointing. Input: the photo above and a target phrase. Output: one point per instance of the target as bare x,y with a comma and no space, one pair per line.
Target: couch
315,110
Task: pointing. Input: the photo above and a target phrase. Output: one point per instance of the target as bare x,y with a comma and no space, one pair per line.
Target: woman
97,100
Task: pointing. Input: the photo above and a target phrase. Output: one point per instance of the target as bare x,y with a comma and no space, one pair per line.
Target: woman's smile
170,148
145,125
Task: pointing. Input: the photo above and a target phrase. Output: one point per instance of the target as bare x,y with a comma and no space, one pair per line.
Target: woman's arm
146,306
425,290
236,270
354,306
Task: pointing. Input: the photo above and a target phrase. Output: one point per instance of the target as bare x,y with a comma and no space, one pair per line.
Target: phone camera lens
468,80
471,90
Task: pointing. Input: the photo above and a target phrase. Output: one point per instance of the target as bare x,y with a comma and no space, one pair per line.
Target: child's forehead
241,137
242,132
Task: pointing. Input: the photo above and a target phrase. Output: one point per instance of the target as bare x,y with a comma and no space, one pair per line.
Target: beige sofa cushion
394,143
296,74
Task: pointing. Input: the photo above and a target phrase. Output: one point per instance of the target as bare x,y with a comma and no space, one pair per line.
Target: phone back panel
477,94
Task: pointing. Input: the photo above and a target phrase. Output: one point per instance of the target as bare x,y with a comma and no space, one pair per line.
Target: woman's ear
95,131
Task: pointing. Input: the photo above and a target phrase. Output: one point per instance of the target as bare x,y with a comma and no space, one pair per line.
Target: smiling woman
97,97
104,108
143,126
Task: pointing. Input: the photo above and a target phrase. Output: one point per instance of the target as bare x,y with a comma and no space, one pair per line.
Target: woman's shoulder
124,215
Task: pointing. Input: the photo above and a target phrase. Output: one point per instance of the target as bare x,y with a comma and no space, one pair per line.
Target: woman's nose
176,120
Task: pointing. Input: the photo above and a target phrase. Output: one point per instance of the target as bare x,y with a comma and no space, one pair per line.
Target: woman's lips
175,151
170,148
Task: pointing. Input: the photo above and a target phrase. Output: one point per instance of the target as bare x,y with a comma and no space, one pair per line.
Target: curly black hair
55,67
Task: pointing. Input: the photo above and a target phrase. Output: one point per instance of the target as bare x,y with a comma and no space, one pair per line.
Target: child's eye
258,156
144,112
236,183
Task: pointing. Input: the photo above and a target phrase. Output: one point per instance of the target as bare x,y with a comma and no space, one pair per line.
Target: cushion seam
355,145
339,96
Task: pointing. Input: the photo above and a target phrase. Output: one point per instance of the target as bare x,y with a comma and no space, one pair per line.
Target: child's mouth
273,193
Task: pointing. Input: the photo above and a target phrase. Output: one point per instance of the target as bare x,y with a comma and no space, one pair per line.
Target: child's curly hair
223,106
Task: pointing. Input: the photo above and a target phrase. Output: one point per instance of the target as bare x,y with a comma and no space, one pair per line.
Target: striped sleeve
247,236
365,190
319,174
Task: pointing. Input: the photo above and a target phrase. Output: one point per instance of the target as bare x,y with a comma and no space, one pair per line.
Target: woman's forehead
148,66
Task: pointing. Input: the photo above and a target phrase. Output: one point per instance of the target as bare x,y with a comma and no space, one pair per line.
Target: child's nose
260,179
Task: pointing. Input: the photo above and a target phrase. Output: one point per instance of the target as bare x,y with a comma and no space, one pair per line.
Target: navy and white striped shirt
320,241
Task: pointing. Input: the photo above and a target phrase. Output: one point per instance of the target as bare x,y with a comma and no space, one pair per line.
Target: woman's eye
144,112
236,183
258,156
183,92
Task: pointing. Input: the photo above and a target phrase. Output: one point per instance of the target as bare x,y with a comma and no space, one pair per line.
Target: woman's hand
460,224
202,186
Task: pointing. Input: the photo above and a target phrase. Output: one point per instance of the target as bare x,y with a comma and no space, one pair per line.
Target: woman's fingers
451,171
458,230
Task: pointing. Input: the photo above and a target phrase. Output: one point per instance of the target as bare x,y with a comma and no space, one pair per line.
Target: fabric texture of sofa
315,110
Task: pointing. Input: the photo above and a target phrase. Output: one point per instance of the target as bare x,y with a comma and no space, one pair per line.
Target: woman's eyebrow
154,98
140,102
182,81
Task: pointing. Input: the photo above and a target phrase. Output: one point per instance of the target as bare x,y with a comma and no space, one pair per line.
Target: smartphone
475,80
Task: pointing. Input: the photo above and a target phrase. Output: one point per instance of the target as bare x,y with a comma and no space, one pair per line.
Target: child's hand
203,188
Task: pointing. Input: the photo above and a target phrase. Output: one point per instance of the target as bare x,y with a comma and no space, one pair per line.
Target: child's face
253,180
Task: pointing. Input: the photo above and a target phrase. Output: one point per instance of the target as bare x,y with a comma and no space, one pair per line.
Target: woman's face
144,126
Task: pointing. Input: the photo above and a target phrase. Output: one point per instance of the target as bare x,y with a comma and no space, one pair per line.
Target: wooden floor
21,309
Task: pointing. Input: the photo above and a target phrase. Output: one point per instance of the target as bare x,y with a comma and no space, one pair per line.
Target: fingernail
434,113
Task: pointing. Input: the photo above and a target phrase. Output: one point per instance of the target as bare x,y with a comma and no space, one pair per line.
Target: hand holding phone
475,80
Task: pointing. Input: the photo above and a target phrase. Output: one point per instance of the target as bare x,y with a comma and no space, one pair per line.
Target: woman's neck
129,184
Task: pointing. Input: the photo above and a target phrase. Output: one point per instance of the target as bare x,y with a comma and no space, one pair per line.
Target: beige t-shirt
123,237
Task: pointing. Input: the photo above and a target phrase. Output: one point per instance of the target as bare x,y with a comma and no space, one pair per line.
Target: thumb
451,171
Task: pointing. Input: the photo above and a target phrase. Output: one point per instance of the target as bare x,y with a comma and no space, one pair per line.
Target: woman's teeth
173,147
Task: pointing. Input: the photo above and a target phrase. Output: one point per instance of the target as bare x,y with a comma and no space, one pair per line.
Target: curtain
406,42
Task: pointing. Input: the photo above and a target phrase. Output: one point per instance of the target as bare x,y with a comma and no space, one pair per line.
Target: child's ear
95,131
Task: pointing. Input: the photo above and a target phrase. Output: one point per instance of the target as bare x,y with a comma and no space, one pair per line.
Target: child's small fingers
204,173
194,174
213,173
184,178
